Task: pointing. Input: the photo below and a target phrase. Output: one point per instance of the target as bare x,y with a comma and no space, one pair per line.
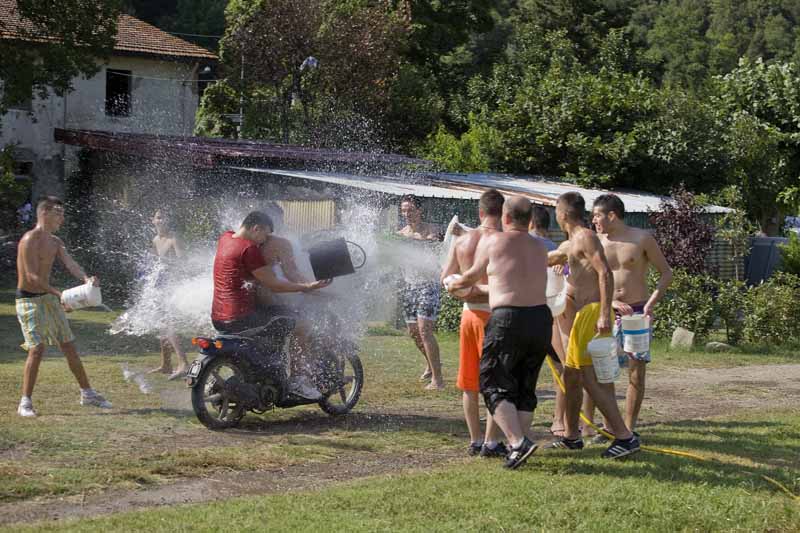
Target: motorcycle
234,374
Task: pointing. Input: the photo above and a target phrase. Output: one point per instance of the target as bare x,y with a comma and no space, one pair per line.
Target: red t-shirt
234,292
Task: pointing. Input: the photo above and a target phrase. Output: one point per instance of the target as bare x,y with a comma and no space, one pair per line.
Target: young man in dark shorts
238,265
518,332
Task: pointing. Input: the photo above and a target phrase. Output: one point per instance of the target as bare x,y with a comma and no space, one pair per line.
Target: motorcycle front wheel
212,403
344,396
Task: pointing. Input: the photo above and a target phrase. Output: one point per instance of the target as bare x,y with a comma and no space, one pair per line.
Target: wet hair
48,203
413,200
258,218
491,203
609,203
574,205
519,209
540,217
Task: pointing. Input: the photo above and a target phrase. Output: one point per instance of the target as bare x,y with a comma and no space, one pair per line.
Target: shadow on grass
732,438
91,338
729,438
309,422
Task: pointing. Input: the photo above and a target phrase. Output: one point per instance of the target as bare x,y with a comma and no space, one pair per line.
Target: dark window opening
23,168
118,93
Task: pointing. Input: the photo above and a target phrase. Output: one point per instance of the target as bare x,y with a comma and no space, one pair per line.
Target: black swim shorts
515,344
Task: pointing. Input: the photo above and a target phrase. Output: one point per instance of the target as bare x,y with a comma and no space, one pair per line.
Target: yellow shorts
42,320
583,331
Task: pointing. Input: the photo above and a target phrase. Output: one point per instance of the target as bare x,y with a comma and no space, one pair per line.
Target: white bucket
636,333
86,295
556,292
451,279
604,358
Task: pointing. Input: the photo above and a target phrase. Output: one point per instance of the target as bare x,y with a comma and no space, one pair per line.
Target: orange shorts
470,336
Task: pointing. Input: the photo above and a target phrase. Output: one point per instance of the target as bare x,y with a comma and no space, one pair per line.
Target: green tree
54,46
761,104
270,52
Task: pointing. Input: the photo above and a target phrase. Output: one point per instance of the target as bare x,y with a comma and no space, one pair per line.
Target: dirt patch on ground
672,394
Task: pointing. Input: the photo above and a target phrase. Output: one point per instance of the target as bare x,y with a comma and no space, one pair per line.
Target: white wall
158,106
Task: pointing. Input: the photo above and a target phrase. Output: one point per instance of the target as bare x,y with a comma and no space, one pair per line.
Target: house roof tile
134,36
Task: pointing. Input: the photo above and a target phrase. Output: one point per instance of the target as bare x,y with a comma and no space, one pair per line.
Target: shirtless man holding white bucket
630,253
39,309
474,317
591,286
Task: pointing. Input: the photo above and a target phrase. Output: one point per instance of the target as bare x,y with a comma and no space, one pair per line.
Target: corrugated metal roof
383,184
471,186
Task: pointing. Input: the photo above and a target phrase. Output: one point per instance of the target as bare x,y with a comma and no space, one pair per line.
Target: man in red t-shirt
238,265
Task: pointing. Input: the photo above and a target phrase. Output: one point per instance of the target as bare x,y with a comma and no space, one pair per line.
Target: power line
195,35
162,79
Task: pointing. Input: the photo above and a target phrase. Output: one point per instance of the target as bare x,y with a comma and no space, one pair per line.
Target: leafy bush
682,233
790,255
772,311
450,313
689,303
731,303
12,191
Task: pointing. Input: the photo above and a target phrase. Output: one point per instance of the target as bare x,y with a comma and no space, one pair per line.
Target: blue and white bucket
636,333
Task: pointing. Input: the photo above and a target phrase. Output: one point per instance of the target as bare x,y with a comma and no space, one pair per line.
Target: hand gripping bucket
604,358
556,292
636,333
86,295
331,259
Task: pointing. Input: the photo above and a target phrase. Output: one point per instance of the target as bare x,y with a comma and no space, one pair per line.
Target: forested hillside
641,93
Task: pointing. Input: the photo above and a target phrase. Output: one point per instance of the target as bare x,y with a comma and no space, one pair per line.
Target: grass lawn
152,440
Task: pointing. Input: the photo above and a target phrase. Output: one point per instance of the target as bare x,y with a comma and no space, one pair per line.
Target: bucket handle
363,253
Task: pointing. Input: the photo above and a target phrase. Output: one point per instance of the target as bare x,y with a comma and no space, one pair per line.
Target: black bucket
331,259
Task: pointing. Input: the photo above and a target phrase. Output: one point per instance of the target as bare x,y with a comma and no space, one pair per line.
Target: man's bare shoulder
405,231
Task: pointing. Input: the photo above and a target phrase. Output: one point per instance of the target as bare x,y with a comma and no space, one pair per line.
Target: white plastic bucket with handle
86,295
556,292
604,358
636,333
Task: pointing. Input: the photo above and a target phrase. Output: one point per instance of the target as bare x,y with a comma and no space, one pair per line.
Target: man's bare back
516,267
464,248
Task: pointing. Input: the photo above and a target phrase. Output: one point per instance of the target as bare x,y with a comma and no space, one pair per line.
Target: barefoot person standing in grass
474,317
169,250
518,333
591,286
39,310
630,253
420,295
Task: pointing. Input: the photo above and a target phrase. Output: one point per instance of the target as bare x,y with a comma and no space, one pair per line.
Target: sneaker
498,451
622,448
302,386
26,409
520,454
566,444
475,448
95,399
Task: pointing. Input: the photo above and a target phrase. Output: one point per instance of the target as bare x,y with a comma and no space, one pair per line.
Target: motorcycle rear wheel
343,398
213,407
